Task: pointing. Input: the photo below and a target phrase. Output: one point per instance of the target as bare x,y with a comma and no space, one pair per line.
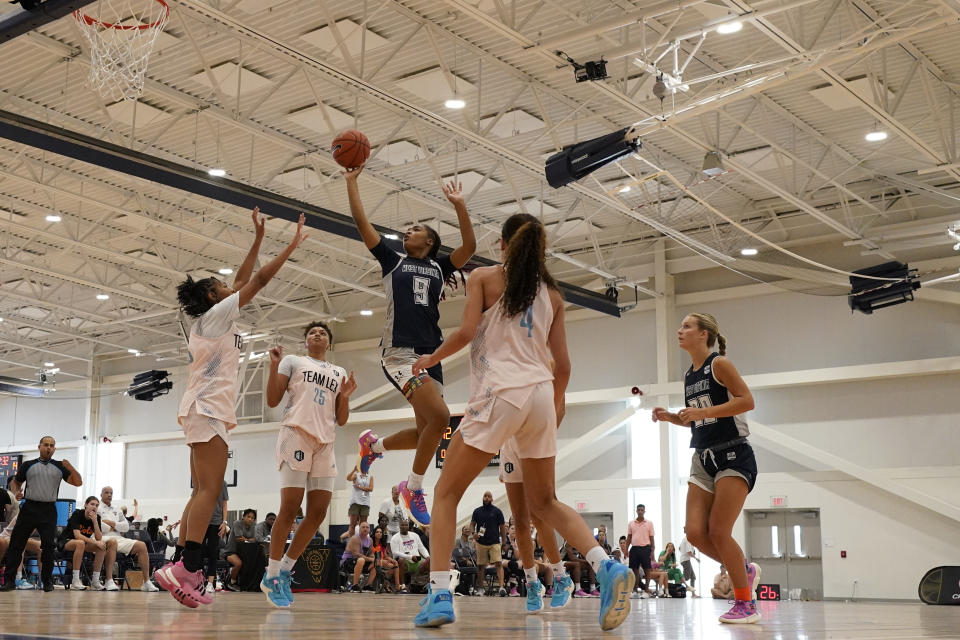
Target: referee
42,477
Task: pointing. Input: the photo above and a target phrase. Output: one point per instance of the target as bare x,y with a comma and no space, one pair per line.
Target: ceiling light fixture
366,312
49,364
454,103
133,351
225,271
102,296
712,165
217,173
748,251
875,136
729,27
624,189
52,217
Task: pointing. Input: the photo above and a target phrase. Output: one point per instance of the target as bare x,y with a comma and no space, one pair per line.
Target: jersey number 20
421,290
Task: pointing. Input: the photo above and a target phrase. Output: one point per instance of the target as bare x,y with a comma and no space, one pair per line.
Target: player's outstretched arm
369,235
468,242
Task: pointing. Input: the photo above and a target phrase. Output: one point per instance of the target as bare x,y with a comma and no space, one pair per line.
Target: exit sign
778,501
581,506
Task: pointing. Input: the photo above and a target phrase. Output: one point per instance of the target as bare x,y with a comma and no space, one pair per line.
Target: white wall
904,427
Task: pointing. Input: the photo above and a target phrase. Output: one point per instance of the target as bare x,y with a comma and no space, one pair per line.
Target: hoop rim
92,22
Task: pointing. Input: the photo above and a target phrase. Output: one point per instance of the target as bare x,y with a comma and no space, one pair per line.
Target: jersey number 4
421,291
526,321
702,402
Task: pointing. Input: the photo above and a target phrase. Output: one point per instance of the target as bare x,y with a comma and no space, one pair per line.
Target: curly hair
321,324
192,296
524,262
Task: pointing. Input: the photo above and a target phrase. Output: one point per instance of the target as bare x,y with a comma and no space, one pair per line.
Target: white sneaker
644,594
454,580
96,585
110,585
149,587
76,585
209,588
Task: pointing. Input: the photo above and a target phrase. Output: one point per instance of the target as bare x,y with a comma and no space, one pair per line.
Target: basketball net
121,35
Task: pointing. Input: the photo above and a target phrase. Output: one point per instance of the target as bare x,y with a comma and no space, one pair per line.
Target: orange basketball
350,149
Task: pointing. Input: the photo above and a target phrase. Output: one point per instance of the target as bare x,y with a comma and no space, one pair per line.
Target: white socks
76,576
414,482
273,568
596,558
440,579
96,576
286,563
531,574
558,570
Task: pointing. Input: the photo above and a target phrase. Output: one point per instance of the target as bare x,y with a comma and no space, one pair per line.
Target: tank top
212,382
359,496
702,390
311,396
509,356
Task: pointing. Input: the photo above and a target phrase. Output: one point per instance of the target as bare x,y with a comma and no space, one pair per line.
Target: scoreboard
9,463
445,442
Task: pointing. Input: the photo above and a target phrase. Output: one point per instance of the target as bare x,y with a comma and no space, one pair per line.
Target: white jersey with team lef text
311,395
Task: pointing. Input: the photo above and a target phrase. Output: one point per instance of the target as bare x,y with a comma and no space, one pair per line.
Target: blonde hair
708,323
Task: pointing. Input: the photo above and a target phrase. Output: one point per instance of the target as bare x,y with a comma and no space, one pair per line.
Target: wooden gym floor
315,616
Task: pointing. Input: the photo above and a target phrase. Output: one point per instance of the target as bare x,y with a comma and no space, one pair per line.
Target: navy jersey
702,390
413,287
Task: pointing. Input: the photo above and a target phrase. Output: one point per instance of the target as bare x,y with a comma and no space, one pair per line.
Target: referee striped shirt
42,479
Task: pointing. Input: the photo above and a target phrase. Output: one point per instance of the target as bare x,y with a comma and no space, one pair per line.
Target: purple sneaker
580,593
549,593
742,613
367,454
514,593
595,593
753,578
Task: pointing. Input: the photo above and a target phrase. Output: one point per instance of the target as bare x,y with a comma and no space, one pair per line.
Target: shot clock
768,592
9,463
445,442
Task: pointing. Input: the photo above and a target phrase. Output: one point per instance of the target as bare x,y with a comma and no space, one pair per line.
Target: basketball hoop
121,35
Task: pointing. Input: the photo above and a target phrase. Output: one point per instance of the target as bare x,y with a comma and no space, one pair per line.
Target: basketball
350,149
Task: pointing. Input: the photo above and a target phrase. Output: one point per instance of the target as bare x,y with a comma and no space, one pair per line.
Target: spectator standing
490,527
359,509
395,511
242,531
42,477
640,536
686,554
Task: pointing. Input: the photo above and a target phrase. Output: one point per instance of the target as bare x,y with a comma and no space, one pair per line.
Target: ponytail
192,296
524,262
706,322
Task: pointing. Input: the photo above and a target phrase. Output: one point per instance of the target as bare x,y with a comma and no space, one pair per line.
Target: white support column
666,323
87,451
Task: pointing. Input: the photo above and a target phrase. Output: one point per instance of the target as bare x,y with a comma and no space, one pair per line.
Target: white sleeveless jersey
510,356
311,396
212,384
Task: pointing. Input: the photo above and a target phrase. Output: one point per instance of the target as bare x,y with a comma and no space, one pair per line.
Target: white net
121,35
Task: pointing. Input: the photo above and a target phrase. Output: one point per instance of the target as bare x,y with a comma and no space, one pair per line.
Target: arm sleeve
63,469
387,257
219,318
287,365
446,265
123,525
22,472
225,495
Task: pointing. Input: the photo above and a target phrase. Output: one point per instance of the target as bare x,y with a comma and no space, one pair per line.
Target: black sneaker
355,588
503,592
48,586
233,586
7,586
